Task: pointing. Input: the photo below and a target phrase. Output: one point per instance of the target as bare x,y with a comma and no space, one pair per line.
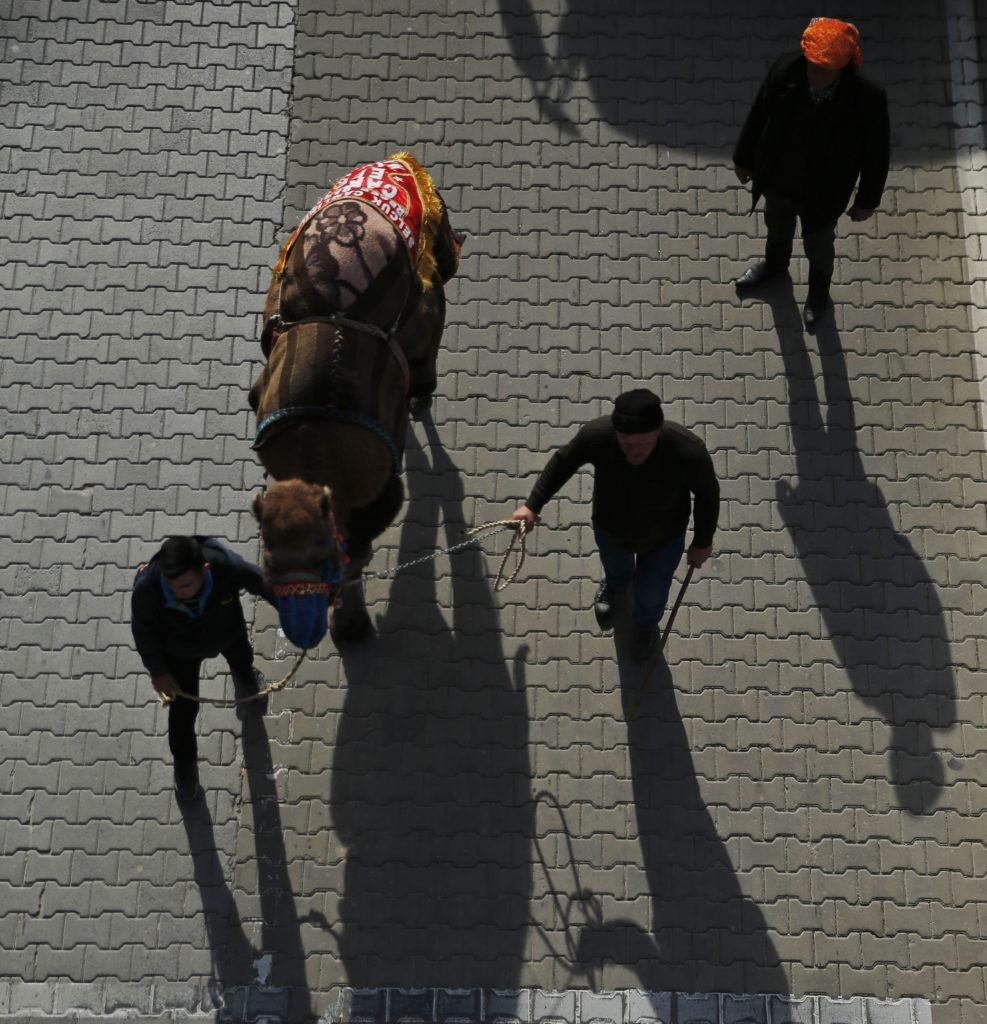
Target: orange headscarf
831,43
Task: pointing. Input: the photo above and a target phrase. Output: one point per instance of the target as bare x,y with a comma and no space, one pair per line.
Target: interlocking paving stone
815,775
622,1007
106,226
462,803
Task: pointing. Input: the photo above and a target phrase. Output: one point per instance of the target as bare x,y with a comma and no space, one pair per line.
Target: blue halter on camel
304,598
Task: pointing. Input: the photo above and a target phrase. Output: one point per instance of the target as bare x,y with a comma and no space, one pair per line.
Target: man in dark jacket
185,607
648,475
816,127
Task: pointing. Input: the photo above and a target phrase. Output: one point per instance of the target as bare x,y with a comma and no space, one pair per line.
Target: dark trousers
780,215
649,573
183,713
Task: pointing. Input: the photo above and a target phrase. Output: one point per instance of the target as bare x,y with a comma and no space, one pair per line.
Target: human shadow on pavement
675,76
431,779
250,981
232,954
875,595
705,934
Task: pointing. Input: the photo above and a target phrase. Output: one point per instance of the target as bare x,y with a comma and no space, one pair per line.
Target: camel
353,320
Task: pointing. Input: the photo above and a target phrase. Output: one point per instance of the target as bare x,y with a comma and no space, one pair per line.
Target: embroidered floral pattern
345,224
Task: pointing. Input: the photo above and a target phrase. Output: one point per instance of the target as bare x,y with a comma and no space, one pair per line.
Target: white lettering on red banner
388,186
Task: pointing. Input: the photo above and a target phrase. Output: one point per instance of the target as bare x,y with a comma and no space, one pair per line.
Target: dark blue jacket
163,627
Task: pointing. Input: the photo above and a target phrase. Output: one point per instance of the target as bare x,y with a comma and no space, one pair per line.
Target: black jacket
639,507
161,627
837,141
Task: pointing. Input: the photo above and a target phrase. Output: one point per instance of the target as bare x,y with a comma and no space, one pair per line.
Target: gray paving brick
847,1011
31,997
792,1010
692,1009
648,1006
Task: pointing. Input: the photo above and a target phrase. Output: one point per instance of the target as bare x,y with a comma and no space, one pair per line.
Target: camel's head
304,558
448,244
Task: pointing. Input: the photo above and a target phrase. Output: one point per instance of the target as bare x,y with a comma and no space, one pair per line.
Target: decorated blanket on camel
401,190
355,308
381,229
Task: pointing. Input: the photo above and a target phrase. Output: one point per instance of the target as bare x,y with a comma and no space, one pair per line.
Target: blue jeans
649,573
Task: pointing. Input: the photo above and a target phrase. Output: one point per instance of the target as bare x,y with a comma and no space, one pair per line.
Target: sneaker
644,642
605,604
187,786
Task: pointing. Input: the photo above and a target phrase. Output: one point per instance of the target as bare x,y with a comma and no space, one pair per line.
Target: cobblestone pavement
457,821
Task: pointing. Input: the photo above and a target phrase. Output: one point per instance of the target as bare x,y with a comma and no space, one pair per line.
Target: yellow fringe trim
431,217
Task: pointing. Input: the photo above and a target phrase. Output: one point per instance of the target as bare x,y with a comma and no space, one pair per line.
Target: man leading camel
648,475
816,127
185,607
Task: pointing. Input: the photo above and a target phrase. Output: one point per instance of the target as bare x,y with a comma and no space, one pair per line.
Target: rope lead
226,703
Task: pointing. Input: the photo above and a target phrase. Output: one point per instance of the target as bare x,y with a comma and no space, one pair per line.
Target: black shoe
643,643
758,274
605,604
187,786
812,312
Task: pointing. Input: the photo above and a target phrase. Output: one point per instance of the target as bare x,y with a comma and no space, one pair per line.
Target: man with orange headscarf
817,128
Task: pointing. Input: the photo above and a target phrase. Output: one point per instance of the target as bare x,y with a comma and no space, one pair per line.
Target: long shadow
280,929
249,981
704,934
232,954
678,74
876,597
431,778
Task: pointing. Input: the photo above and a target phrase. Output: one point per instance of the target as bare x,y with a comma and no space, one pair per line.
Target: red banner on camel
388,186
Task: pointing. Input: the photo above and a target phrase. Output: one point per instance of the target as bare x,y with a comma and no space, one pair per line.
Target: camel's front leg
349,621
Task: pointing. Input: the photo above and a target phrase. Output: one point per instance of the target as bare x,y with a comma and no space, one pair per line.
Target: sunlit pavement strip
464,1006
971,165
578,1006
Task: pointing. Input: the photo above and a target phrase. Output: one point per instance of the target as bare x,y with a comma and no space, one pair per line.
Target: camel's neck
352,462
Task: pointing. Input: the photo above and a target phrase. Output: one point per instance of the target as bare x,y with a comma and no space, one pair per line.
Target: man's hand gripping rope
174,691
